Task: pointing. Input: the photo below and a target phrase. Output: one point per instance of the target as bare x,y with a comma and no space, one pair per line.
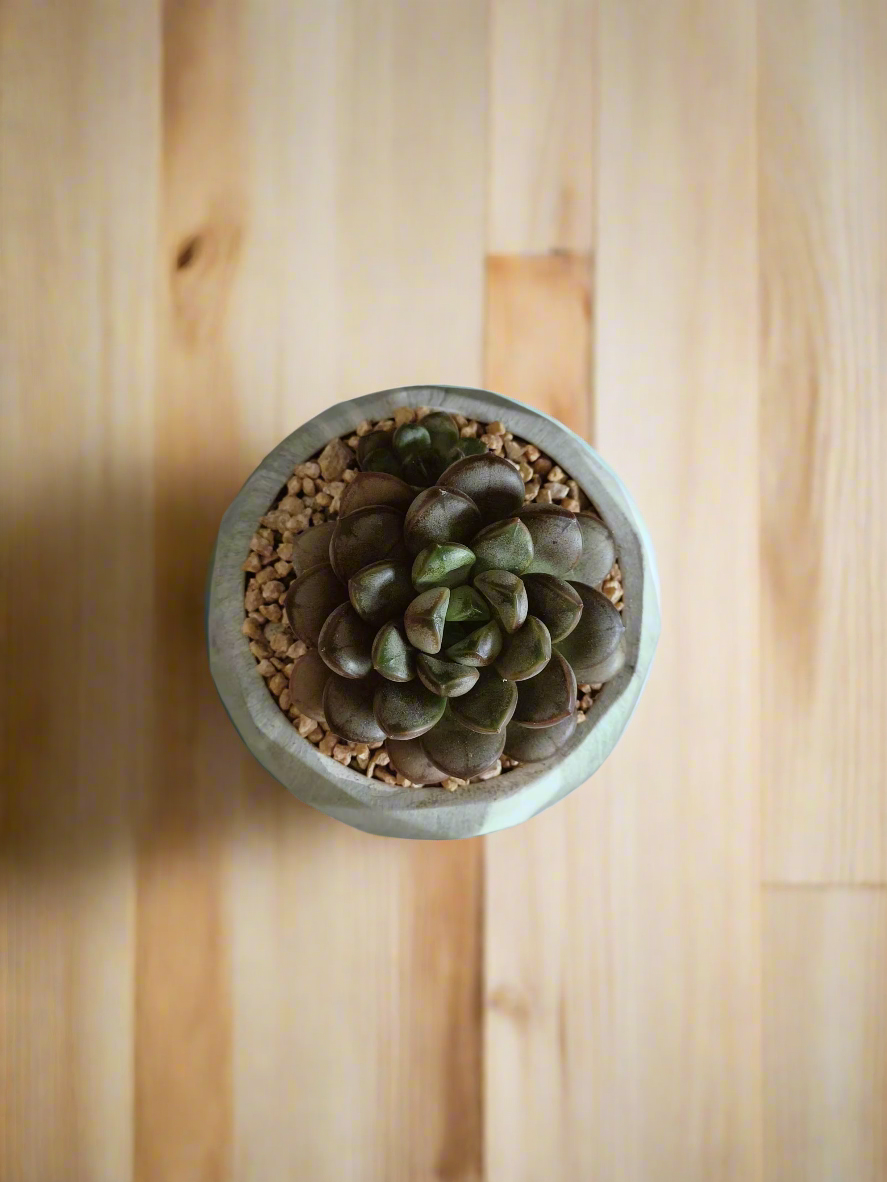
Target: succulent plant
443,615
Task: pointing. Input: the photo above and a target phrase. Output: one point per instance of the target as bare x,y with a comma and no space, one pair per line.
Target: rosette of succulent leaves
444,615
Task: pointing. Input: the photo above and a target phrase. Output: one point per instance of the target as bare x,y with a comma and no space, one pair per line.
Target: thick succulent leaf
348,706
307,683
406,711
374,488
391,655
548,697
384,459
598,551
410,438
374,441
408,757
444,564
346,642
310,599
507,596
447,678
423,467
606,669
381,591
504,545
530,744
367,535
555,602
597,634
425,617
480,647
491,482
468,605
466,447
439,515
557,540
442,429
489,706
459,750
526,653
312,547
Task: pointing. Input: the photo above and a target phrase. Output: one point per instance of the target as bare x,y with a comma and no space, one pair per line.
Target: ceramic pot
348,795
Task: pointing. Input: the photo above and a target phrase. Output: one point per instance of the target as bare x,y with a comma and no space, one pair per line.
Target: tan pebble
271,611
290,505
294,713
402,781
585,702
491,441
280,642
311,468
612,588
308,487
513,450
266,533
495,428
265,576
404,414
495,770
573,487
531,491
422,411
334,487
361,749
284,700
461,420
289,667
353,441
364,428
288,536
253,564
451,784
260,544
277,663
285,551
308,502
542,466
258,617
318,518
585,688
283,568
557,490
305,725
557,474
349,474
251,629
543,497
375,746
382,759
469,431
531,453
506,435
273,589
342,754
260,650
252,600
294,485
596,687
297,649
328,742
316,735
571,504
385,425
526,472
266,668
580,717
323,500
277,684
385,777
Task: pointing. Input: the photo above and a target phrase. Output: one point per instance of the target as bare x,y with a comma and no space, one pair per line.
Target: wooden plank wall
662,223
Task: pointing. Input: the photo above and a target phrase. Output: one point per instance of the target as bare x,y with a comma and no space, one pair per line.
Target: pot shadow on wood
115,741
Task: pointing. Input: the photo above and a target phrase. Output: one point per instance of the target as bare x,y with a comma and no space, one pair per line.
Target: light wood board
663,224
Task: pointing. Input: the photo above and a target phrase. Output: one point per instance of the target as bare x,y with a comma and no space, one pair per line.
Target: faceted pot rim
432,812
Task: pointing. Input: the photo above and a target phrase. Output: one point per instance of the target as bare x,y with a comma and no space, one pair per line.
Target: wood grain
825,1034
79,243
824,440
542,107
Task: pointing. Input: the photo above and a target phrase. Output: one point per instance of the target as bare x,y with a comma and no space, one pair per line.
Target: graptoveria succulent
444,616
